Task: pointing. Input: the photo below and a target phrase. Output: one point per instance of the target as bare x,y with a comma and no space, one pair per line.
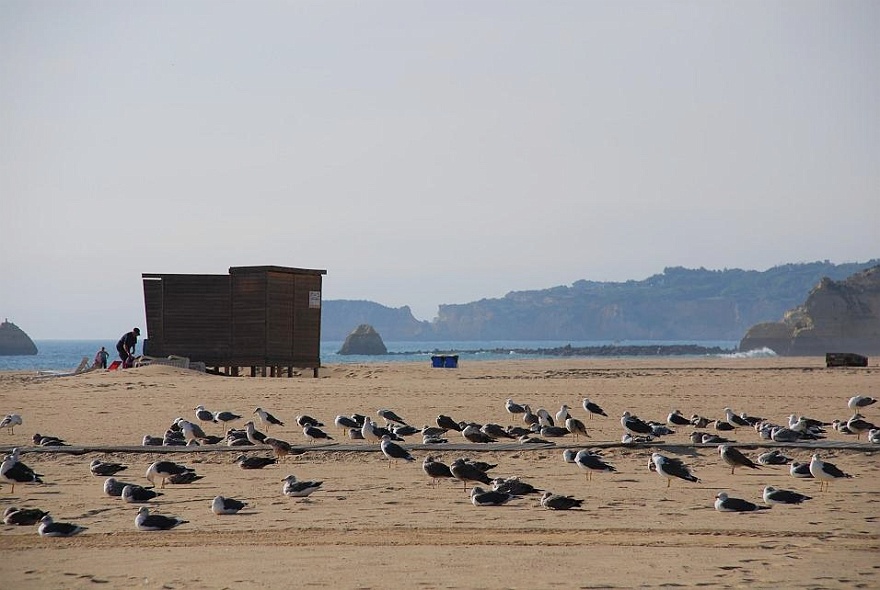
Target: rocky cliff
363,340
837,316
14,342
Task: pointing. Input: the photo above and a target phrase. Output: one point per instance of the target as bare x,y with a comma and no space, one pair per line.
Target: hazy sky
425,152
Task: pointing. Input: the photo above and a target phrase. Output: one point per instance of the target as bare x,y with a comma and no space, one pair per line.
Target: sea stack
14,342
364,340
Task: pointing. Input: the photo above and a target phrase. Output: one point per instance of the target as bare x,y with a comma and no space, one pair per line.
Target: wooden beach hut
267,318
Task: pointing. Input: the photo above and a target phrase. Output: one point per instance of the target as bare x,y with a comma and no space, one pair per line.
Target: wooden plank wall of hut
248,320
196,318
280,327
155,344
307,320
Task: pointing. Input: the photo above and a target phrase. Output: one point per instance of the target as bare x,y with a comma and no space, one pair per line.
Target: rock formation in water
364,340
838,316
14,342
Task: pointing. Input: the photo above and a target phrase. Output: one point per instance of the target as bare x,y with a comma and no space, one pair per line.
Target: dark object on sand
845,359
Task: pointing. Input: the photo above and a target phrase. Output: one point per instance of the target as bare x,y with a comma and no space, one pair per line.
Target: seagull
733,457
13,471
800,470
825,472
394,451
858,424
134,494
191,430
723,426
724,503
344,423
472,433
23,516
306,420
368,430
48,441
313,433
775,496
669,467
495,431
513,408
734,420
255,462
281,448
113,487
165,470
855,403
710,439
781,434
774,457
552,501
576,427
144,521
203,414
435,470
465,472
390,416
513,485
590,462
221,505
569,455
184,478
544,417
562,415
298,489
225,417
675,418
634,425
593,408
50,528
10,422
699,421
874,436
448,423
528,417
481,497
102,469
267,419
253,435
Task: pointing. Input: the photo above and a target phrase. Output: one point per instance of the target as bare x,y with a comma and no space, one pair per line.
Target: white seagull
299,489
394,451
669,467
724,503
774,496
144,521
50,528
221,505
825,472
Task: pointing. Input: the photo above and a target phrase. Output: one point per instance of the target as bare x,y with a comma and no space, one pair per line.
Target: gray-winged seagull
552,501
775,496
144,521
724,503
825,472
50,528
669,467
733,457
221,505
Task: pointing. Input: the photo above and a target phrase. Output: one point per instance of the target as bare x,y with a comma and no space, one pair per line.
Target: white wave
758,353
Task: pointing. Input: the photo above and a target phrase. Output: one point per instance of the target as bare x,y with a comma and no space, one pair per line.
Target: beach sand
372,525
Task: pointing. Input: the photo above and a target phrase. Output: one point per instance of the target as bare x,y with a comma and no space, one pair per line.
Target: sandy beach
372,525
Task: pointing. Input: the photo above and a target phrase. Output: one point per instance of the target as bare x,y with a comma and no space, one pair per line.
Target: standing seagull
313,433
394,451
724,503
50,528
203,414
733,419
733,457
855,403
825,472
253,435
221,505
10,422
562,415
576,427
144,521
593,408
368,430
435,470
669,468
267,419
590,462
513,408
775,496
552,501
465,472
225,417
13,471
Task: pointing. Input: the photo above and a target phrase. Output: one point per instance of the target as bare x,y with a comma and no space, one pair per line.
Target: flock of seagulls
486,490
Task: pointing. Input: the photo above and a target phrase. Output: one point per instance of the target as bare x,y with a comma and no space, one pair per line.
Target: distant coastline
600,351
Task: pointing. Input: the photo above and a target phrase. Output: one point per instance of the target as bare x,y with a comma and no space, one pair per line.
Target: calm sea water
60,355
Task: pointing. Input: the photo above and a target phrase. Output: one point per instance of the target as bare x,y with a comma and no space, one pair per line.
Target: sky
425,153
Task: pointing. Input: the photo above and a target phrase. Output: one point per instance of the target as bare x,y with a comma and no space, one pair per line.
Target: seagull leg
668,483
732,469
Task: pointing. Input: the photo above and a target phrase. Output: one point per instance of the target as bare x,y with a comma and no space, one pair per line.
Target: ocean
61,355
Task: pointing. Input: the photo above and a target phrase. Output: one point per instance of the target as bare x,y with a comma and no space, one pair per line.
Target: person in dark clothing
126,345
101,358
